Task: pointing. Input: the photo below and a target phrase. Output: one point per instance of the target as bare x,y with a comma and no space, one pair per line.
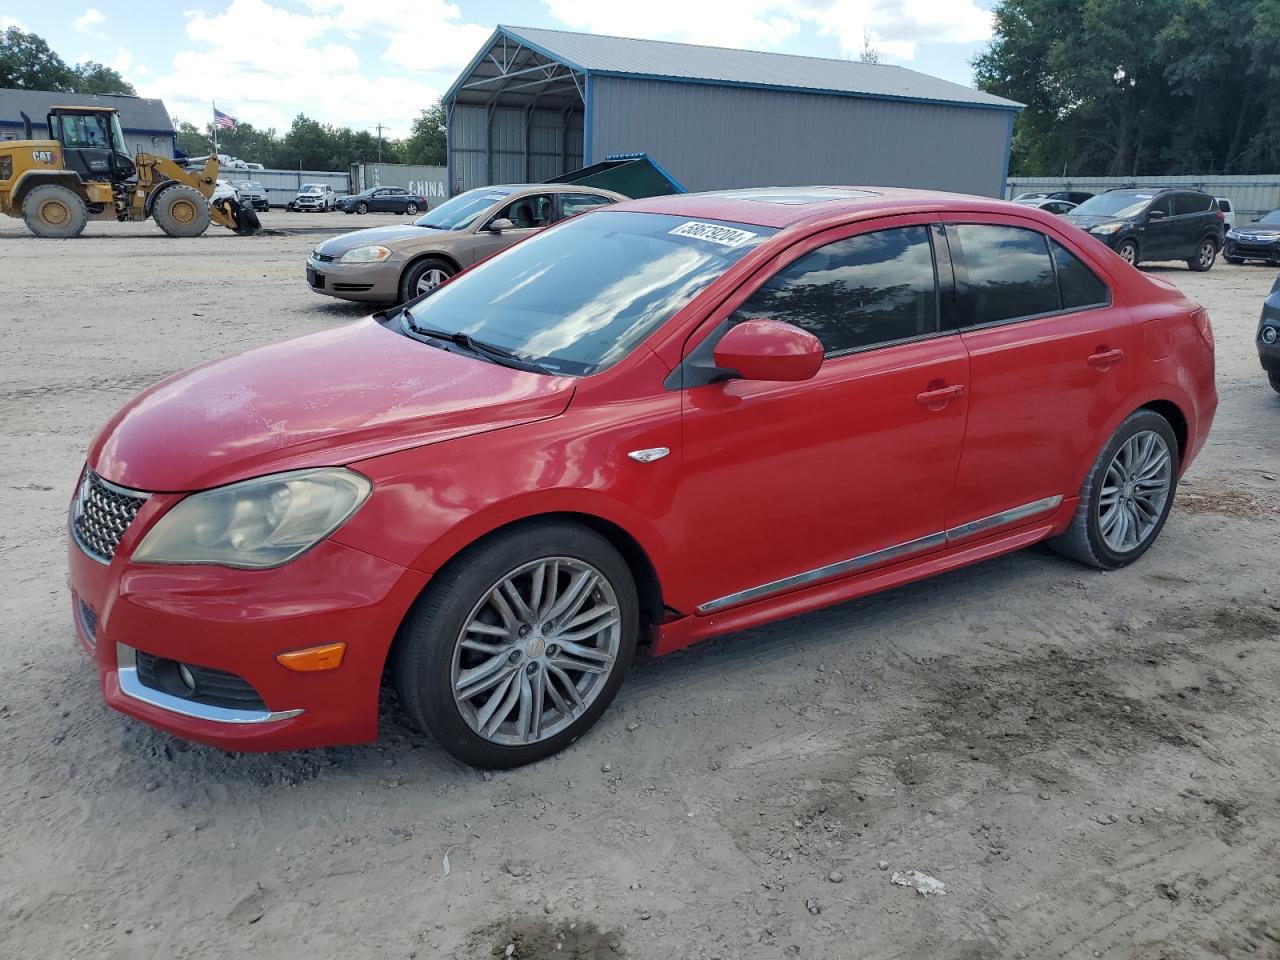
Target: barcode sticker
713,233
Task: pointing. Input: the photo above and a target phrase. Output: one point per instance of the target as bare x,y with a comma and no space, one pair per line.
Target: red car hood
328,398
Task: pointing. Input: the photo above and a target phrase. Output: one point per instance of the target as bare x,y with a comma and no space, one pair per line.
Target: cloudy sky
359,63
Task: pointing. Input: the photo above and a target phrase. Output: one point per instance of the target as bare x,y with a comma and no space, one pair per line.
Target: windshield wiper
490,351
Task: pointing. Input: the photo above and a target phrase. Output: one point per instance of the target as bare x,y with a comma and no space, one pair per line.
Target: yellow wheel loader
84,172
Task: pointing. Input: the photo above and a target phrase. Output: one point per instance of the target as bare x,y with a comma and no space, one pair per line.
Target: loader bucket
235,216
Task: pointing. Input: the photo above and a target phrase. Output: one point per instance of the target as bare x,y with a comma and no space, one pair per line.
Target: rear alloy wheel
1127,496
182,211
519,645
55,212
423,277
1206,253
1128,252
411,209
362,207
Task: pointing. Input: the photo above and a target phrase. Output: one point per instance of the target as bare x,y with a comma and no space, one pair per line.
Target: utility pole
379,143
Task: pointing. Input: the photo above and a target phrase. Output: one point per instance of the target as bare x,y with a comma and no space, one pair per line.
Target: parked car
394,264
673,419
383,200
1258,241
1228,212
1056,207
1071,196
314,197
223,190
253,193
1167,224
1269,336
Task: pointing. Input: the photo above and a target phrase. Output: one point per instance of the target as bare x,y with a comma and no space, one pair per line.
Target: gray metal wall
516,146
712,136
1251,196
426,181
282,185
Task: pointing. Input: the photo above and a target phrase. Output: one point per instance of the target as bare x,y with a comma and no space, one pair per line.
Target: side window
1080,286
528,212
868,290
1009,272
1184,203
1224,204
575,203
1162,205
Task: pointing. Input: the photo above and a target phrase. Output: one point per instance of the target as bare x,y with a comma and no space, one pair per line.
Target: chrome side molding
897,552
131,686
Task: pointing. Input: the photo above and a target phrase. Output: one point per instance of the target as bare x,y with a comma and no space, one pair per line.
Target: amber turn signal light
327,657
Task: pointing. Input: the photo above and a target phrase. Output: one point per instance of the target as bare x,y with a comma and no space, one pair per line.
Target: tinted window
579,297
867,290
1009,272
1162,205
576,203
1079,286
1224,204
528,212
1184,203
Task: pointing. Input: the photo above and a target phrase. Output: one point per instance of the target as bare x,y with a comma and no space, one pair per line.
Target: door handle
939,397
1105,358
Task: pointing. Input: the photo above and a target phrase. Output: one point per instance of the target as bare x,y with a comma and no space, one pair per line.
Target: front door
1159,234
528,215
1050,359
787,485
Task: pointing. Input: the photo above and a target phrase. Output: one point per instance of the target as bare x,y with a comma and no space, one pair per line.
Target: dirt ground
1088,761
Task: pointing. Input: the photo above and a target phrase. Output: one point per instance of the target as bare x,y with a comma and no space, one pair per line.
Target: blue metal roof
691,63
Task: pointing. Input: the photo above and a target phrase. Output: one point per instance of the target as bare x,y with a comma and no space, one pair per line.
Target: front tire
518,646
54,212
1274,378
182,211
1128,251
362,208
1127,495
423,277
1206,254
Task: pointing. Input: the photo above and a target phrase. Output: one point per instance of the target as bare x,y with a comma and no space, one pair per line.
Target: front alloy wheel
519,644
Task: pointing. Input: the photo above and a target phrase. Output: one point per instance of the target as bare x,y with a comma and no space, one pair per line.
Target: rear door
1050,359
788,485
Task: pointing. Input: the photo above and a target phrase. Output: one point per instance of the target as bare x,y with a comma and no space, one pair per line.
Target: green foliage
426,143
27,62
306,145
1138,87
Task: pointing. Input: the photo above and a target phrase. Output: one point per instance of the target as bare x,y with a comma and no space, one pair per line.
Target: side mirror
1256,220
497,226
1155,214
769,350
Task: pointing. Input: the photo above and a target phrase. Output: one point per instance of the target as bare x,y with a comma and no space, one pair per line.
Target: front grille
321,258
213,687
100,515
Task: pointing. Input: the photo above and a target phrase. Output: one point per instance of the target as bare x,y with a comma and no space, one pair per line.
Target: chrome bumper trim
131,686
1023,512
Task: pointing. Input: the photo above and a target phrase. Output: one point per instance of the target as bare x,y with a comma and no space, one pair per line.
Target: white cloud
89,21
894,27
444,43
264,65
6,22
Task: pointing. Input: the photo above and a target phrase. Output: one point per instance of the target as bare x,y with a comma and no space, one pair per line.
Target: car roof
551,188
1158,190
786,206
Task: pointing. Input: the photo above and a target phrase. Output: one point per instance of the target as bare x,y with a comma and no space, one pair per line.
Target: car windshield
580,296
1272,217
309,188
1117,203
460,212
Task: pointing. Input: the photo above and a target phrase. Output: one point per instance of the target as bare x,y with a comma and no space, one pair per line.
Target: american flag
223,120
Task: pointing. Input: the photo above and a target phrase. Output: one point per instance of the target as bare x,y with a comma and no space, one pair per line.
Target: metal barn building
536,103
146,124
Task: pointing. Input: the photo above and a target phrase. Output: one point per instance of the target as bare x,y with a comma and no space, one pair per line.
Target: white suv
315,197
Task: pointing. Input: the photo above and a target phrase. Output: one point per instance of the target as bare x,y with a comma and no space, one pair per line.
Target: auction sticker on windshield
713,233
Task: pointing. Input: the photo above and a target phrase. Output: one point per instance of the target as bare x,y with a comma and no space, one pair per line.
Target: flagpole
215,126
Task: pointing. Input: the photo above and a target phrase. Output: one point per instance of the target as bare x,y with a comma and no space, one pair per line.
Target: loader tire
182,212
55,212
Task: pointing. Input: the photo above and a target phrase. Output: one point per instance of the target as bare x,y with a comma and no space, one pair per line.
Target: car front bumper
1252,249
372,282
221,621
1269,353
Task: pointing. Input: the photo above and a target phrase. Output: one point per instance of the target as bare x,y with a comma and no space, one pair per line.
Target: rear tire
454,628
1206,254
423,277
1275,381
1085,540
54,212
411,208
1128,252
182,211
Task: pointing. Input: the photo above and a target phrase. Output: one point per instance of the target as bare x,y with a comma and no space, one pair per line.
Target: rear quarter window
1080,287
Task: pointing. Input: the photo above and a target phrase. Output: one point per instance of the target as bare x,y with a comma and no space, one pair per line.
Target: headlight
255,524
375,254
1231,232
1106,229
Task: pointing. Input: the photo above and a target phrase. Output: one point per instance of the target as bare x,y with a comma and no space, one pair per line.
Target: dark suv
1167,224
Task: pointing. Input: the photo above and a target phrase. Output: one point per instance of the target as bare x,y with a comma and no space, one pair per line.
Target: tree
869,53
27,62
93,77
426,142
1134,87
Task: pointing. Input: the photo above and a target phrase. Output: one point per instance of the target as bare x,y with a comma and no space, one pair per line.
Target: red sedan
656,423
